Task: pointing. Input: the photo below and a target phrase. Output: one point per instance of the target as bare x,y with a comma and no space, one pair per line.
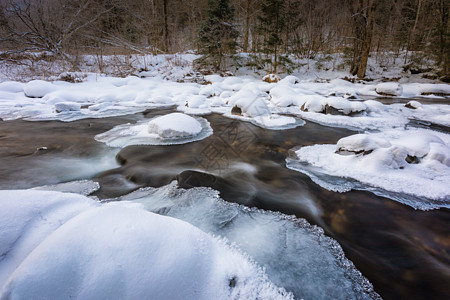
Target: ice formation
411,166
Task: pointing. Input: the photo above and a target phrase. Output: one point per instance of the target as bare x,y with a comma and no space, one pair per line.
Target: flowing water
405,253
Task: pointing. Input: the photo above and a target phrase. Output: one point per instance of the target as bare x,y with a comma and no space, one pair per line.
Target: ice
295,255
82,187
60,246
410,166
175,128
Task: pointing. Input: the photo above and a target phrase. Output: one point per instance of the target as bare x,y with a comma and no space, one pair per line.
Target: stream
405,253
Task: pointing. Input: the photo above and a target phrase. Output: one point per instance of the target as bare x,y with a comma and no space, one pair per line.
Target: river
405,253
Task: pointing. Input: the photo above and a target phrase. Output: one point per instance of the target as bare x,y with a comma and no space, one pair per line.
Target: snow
38,88
411,166
389,88
295,255
59,245
170,129
174,125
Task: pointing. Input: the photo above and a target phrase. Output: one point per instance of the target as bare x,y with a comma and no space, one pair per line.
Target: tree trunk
367,40
166,27
413,30
247,25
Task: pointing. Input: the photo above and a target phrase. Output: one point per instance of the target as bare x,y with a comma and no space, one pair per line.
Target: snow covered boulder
389,89
196,101
174,125
359,144
38,88
314,103
342,106
252,107
413,105
283,96
434,89
418,144
289,80
271,78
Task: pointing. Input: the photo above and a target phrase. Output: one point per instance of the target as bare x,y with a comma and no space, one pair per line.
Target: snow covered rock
38,88
389,89
314,103
174,125
360,143
434,89
271,78
413,105
283,96
332,105
289,80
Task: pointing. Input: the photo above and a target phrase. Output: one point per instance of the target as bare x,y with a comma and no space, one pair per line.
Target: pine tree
217,35
271,25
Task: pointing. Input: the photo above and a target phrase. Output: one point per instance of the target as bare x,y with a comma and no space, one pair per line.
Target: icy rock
174,125
38,88
360,143
389,89
413,105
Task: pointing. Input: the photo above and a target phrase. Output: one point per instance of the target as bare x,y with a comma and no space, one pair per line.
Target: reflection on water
403,252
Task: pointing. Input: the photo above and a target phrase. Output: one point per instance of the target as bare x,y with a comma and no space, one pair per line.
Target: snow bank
58,245
411,166
174,128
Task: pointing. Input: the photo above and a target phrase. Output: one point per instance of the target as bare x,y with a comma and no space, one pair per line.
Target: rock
271,78
236,111
413,105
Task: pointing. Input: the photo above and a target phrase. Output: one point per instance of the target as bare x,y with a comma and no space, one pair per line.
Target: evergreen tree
217,35
271,25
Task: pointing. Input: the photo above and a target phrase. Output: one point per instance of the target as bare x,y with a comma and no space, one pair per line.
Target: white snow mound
117,250
174,125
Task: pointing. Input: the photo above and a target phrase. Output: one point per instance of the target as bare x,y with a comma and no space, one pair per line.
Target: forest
271,31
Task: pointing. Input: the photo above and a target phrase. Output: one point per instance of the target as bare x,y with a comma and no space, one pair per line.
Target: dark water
403,252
